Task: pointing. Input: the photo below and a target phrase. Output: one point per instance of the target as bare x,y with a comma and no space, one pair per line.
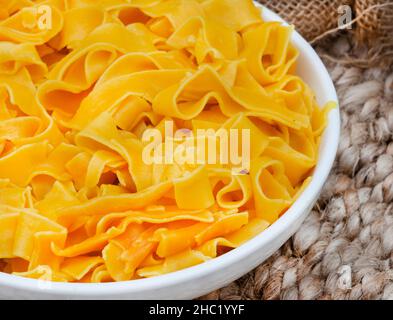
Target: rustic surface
311,18
371,24
350,230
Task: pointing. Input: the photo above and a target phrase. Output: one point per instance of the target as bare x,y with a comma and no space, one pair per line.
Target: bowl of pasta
113,179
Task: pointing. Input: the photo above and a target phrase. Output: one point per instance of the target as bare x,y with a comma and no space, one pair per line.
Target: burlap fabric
350,230
372,24
375,25
311,18
375,29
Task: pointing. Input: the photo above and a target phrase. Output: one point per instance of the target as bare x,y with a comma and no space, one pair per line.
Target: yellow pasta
83,82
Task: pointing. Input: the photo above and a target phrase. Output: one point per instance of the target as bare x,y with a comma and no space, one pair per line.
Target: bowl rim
323,168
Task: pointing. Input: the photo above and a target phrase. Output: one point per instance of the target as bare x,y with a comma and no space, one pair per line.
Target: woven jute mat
344,248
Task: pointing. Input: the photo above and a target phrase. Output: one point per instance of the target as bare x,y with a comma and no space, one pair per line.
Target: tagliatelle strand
82,86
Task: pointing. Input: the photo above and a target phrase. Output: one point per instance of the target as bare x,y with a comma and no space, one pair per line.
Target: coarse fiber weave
371,24
311,18
374,25
351,227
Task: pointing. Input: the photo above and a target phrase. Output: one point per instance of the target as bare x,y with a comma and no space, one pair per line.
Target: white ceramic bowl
202,279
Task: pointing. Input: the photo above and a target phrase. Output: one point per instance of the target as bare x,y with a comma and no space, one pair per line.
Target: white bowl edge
211,275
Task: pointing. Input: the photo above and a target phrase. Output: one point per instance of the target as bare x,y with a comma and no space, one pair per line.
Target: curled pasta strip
272,189
271,57
16,56
234,191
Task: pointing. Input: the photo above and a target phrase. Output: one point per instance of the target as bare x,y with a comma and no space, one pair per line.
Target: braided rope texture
351,227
